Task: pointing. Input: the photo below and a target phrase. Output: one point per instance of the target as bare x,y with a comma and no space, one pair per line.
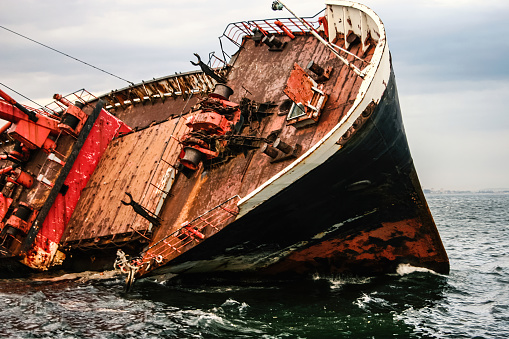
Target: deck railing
236,31
57,108
192,232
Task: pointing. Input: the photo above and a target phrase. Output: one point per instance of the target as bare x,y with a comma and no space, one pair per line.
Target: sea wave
404,269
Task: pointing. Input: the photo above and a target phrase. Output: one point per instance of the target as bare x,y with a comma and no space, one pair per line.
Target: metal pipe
282,146
31,115
63,100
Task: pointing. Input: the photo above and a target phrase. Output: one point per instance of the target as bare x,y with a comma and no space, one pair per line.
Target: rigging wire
67,55
18,93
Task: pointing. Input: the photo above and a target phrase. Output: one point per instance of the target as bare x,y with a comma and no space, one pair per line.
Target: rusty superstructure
49,155
288,158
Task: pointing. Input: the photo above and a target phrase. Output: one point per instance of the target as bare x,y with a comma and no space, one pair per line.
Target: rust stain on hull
375,251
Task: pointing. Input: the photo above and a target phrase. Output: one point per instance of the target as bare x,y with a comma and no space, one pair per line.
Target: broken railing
56,108
191,233
235,31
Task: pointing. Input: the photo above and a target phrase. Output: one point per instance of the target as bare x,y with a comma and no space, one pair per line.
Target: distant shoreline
485,191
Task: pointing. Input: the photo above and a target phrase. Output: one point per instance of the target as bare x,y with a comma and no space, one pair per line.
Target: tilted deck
306,155
266,82
129,164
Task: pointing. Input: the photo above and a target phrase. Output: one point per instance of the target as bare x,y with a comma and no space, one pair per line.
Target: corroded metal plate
138,163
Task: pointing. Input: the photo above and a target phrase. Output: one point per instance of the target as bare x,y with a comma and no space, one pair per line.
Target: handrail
236,31
190,232
55,108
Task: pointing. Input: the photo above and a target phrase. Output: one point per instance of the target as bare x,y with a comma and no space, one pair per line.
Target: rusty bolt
282,146
270,151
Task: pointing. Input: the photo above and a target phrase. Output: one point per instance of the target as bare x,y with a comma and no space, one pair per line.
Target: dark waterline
473,301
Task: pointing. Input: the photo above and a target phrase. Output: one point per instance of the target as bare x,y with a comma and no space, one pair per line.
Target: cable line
67,55
18,93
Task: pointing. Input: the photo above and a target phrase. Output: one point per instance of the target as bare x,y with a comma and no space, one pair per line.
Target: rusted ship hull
260,167
364,218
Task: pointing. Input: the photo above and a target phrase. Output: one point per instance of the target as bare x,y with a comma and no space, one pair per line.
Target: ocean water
471,302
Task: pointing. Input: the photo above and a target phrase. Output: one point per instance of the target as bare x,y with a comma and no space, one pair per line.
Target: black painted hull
362,211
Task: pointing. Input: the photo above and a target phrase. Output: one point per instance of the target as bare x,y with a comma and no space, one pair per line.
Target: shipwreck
287,158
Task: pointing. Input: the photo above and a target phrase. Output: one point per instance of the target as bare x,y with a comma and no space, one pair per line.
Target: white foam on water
337,282
404,269
82,276
363,300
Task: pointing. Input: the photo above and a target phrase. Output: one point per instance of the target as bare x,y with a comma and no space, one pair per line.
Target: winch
214,116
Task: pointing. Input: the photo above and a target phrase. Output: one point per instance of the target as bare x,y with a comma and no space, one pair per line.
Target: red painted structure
217,116
34,216
46,243
32,130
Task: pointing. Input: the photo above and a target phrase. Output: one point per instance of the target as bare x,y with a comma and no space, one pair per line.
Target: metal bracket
142,211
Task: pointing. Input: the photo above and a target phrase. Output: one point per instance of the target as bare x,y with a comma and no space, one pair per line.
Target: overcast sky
450,58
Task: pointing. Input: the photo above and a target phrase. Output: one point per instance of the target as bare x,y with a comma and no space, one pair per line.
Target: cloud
449,56
457,134
132,39
450,160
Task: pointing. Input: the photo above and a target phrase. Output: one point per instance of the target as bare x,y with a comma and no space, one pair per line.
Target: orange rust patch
391,241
